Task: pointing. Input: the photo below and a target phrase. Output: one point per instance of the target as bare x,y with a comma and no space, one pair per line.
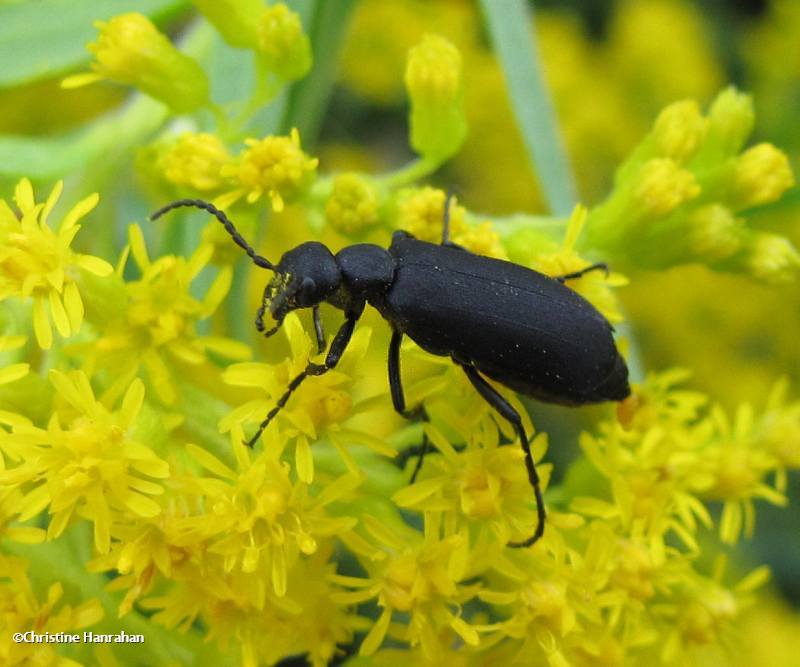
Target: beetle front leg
399,400
319,330
506,410
338,346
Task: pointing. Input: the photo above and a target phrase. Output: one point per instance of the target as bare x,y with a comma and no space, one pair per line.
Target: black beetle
524,329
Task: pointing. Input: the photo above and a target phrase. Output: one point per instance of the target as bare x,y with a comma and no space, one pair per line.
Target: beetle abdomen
515,325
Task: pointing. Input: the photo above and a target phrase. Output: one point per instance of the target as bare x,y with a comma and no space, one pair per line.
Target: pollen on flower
196,161
37,262
274,166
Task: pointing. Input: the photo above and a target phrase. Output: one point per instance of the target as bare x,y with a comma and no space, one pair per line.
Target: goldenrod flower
316,409
259,519
353,205
420,212
131,50
419,576
38,263
282,44
23,612
433,80
236,20
86,463
483,488
152,321
274,166
195,161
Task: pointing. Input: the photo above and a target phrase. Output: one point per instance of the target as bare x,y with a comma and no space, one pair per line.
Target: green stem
510,29
411,173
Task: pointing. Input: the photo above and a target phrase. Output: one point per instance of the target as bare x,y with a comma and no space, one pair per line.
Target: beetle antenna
238,239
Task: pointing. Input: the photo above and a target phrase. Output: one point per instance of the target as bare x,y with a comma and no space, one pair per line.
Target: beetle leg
338,346
318,329
506,410
577,274
399,399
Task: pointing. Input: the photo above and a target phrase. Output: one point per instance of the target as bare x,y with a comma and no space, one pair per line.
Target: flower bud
761,176
130,50
236,20
353,204
679,129
284,47
714,233
434,83
772,258
662,186
731,119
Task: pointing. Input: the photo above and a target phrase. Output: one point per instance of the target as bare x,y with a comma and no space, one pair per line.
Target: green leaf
42,39
50,158
510,27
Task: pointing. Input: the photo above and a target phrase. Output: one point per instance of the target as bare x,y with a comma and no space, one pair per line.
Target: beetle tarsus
598,266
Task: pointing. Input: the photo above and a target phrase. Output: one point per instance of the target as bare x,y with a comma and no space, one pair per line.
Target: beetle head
305,277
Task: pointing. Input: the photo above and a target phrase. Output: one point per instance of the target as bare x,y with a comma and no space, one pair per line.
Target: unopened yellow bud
130,50
762,175
353,205
434,83
773,259
283,45
714,232
482,239
679,129
195,161
731,119
662,186
236,20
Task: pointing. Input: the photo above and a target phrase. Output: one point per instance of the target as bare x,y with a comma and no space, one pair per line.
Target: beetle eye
307,291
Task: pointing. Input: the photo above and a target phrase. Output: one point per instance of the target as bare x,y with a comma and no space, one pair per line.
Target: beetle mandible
493,318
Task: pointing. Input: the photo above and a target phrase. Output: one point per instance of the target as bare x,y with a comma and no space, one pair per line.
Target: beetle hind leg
507,411
399,400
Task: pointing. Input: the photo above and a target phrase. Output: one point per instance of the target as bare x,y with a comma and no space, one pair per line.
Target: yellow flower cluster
129,439
685,193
